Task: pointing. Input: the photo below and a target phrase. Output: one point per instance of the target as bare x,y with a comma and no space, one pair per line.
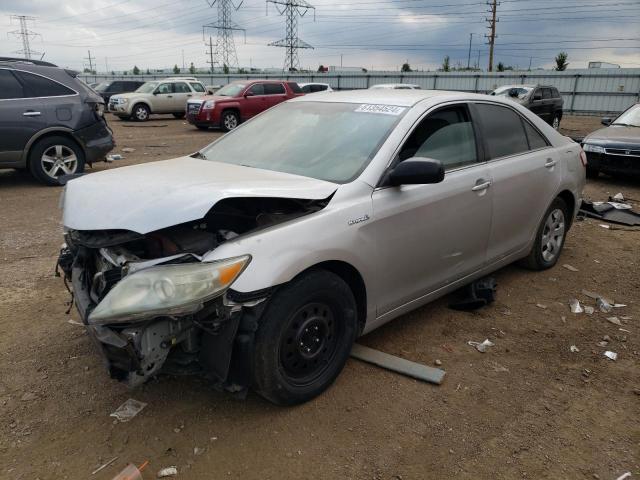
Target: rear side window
555,93
503,130
197,87
295,88
536,140
37,86
9,86
318,88
273,89
181,88
546,93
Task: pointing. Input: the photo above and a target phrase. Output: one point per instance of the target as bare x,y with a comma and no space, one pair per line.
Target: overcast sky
374,34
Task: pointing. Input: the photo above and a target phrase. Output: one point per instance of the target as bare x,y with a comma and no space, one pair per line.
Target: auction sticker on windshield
384,109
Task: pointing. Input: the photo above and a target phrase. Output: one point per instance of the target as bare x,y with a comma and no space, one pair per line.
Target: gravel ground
528,408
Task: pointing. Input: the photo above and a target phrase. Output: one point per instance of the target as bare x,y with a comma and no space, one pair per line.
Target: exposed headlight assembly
167,290
588,147
209,104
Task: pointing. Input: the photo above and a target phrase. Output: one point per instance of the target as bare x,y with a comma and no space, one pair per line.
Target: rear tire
53,157
230,120
550,237
304,338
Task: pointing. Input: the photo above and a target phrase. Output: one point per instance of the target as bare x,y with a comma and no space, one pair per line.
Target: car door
429,236
163,98
181,93
20,117
275,93
536,104
524,176
254,101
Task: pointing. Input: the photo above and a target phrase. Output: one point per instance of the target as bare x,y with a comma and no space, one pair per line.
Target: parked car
395,86
261,258
168,95
238,101
114,87
544,101
51,123
616,148
315,87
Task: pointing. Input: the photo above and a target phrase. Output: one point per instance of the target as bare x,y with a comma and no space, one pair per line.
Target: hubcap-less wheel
58,160
309,343
230,121
556,123
553,235
141,114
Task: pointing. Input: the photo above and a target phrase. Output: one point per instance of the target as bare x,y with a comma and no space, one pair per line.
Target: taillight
583,158
99,109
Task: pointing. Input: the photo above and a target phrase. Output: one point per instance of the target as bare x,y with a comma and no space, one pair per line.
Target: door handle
481,186
169,96
31,113
188,94
550,163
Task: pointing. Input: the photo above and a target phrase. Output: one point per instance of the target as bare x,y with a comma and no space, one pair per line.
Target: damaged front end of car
152,304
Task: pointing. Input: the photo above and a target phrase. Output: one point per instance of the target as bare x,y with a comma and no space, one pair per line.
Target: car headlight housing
588,147
209,104
167,290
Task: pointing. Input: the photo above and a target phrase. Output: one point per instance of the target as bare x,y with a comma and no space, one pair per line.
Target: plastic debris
128,410
624,475
611,355
596,296
481,346
131,472
575,306
620,206
603,343
618,305
541,305
589,310
574,349
618,197
74,322
603,305
128,150
615,321
114,156
168,472
104,465
570,267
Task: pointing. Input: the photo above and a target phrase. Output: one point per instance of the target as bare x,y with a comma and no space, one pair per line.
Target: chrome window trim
43,76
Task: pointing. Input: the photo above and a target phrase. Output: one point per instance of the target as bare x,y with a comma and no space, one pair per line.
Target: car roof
251,82
311,83
400,98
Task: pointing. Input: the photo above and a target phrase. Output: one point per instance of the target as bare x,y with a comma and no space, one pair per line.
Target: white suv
168,95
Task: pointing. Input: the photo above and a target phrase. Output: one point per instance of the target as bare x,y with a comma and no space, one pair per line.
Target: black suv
544,101
113,87
51,123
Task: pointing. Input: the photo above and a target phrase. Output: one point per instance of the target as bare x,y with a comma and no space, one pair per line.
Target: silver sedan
259,260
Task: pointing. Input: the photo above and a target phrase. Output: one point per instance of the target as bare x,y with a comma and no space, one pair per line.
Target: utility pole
292,9
210,53
106,64
90,60
225,51
478,63
493,4
183,65
530,59
24,33
469,58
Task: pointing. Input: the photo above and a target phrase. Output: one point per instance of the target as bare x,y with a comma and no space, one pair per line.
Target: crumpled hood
615,135
151,196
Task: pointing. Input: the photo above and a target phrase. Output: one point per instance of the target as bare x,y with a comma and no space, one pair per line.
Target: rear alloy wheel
550,237
230,120
141,112
54,157
304,338
555,123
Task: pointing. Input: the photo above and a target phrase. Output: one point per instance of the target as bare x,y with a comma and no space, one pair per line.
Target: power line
292,9
24,34
225,52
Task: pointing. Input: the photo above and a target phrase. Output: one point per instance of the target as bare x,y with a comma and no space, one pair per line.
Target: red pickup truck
238,101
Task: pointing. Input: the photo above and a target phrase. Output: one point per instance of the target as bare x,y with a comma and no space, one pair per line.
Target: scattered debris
624,475
131,472
542,306
570,267
198,451
168,472
618,197
603,305
114,156
624,330
589,310
606,338
603,343
574,304
618,305
611,355
475,295
574,349
104,465
612,212
438,362
397,364
128,150
481,346
615,321
128,410
596,296
74,322
29,396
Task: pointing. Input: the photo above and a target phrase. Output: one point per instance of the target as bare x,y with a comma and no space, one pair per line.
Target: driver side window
164,88
446,135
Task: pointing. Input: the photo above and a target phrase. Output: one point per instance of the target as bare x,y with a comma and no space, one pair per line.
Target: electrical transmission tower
493,5
292,9
25,34
225,47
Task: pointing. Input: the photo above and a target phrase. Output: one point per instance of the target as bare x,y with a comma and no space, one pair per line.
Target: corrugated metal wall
588,91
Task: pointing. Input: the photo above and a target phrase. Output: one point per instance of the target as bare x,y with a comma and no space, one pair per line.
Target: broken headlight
167,290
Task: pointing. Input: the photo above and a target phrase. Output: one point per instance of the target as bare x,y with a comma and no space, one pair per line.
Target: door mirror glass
606,121
417,171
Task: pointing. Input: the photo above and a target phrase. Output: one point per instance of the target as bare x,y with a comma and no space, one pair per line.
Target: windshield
520,92
148,87
326,141
231,90
101,87
630,117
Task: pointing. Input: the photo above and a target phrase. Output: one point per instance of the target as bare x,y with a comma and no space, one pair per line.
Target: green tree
561,62
125,72
147,72
192,69
136,70
445,64
225,69
406,68
112,72
500,67
176,69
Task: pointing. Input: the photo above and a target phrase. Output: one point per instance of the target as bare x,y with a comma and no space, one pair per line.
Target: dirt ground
528,408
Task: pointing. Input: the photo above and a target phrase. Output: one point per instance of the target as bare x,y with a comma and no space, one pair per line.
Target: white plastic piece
128,410
574,349
611,355
575,306
481,346
168,472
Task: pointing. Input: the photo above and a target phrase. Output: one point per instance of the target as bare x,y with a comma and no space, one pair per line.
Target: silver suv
260,259
168,95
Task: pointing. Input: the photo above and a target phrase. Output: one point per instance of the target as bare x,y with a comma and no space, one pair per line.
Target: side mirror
416,171
606,121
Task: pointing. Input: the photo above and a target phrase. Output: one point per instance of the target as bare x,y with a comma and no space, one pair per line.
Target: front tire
230,120
304,338
53,157
550,237
140,112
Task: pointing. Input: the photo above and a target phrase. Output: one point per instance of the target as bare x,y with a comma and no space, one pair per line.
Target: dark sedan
114,87
615,149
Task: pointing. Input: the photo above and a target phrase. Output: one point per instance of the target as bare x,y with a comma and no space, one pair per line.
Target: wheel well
568,198
353,278
55,133
233,109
